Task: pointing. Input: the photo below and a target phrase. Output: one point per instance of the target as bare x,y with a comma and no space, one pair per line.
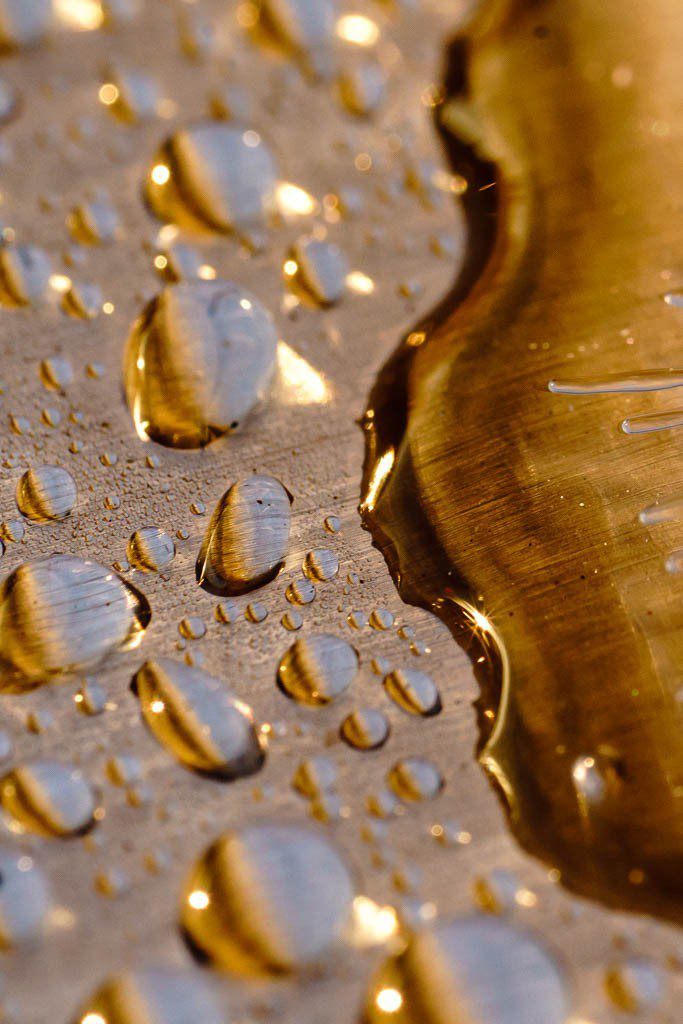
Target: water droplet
256,612
200,357
415,778
195,717
300,591
91,699
332,524
95,222
158,995
381,619
150,549
226,612
357,619
317,669
24,900
365,729
217,176
46,493
292,620
25,272
305,27
59,614
247,538
315,776
12,530
268,899
56,373
123,770
634,985
497,891
476,969
48,798
321,564
23,22
362,88
414,691
319,270
83,300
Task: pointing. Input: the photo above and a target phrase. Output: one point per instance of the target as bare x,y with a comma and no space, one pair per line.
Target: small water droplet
318,669
25,900
159,995
414,778
381,619
321,564
150,549
413,691
25,272
365,729
300,591
318,269
315,776
634,985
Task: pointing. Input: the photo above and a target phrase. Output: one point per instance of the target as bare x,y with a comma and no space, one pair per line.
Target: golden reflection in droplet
372,924
160,174
302,383
160,262
108,94
360,283
60,283
293,201
84,16
198,900
357,29
389,1000
380,476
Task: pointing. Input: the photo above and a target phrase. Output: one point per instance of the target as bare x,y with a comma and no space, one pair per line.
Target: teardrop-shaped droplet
24,900
246,542
365,729
213,175
317,669
150,549
269,898
48,798
196,717
46,493
60,614
480,970
414,691
199,358
153,995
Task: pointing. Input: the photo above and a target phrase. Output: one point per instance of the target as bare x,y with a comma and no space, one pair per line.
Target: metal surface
116,893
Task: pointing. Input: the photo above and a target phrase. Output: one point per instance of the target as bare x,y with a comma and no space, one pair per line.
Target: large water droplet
317,669
268,899
197,718
152,996
46,493
247,539
24,899
197,361
48,798
476,969
61,613
215,176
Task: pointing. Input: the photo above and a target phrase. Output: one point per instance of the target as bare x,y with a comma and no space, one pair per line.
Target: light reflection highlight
302,383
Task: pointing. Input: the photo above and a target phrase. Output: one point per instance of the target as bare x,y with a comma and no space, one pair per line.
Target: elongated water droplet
46,493
216,176
24,900
268,899
60,614
48,798
150,549
247,539
414,691
480,970
200,357
196,717
152,996
317,669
